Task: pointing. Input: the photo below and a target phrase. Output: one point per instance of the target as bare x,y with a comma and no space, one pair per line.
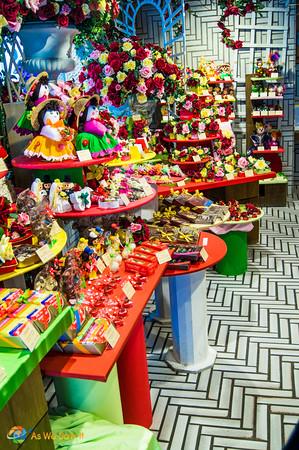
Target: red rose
78,15
123,132
81,77
115,99
24,11
226,32
94,69
150,85
10,11
99,47
140,54
130,82
238,44
112,56
233,10
160,64
158,83
195,125
99,85
249,8
46,12
124,57
116,64
115,9
114,46
63,21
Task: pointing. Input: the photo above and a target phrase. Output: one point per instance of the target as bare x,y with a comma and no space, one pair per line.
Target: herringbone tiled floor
250,398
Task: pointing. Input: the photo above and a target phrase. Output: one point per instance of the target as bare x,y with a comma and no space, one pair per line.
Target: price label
125,199
260,148
249,173
111,335
55,229
146,187
218,97
136,117
274,75
230,176
45,254
227,78
3,166
274,147
202,136
205,92
181,183
100,265
196,158
254,94
128,290
204,254
107,259
212,79
256,113
84,155
30,336
263,94
205,241
163,256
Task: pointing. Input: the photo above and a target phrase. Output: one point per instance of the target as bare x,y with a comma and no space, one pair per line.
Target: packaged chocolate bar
198,200
18,333
40,316
187,253
188,216
90,339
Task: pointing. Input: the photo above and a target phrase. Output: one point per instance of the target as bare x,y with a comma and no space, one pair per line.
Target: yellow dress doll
54,141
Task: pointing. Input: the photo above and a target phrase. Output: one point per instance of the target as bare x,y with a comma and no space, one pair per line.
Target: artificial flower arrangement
191,154
90,14
134,127
192,105
240,211
126,68
191,129
272,69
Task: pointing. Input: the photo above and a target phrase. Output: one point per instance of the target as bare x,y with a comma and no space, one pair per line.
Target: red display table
187,291
129,354
203,186
23,162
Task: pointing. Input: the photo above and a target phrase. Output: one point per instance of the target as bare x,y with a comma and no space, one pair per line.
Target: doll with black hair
54,139
92,133
37,92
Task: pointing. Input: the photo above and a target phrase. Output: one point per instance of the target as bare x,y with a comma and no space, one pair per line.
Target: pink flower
148,52
142,88
95,54
201,127
188,105
117,87
14,26
220,172
185,129
221,111
106,100
146,72
108,71
242,163
33,5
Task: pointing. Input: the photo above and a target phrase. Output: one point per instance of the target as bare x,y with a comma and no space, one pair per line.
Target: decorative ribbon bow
84,196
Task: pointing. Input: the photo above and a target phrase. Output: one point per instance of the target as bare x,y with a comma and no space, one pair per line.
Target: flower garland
235,8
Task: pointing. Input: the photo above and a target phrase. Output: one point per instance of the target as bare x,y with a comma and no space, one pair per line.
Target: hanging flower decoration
126,68
235,8
88,14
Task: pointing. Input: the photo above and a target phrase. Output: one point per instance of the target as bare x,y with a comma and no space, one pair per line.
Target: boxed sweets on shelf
239,211
25,315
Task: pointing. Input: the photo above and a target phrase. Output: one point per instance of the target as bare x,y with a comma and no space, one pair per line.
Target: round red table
187,291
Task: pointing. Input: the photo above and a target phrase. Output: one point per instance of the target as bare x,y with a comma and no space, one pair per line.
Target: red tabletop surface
216,249
94,367
189,163
267,116
203,186
23,162
3,174
96,211
268,152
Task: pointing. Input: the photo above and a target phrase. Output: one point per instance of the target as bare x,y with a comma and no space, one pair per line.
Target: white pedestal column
162,301
191,351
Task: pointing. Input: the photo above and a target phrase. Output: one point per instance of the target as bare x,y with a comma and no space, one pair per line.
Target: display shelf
19,364
96,211
119,163
93,367
242,222
189,163
267,79
230,81
267,116
268,97
191,141
23,162
57,247
215,248
226,100
203,186
272,152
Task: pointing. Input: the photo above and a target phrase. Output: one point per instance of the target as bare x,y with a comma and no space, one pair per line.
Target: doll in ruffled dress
54,140
37,92
92,133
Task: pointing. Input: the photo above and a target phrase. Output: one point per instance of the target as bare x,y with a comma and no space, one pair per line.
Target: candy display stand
235,237
22,398
188,296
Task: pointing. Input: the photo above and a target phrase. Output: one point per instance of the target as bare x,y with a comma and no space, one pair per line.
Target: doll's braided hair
82,119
